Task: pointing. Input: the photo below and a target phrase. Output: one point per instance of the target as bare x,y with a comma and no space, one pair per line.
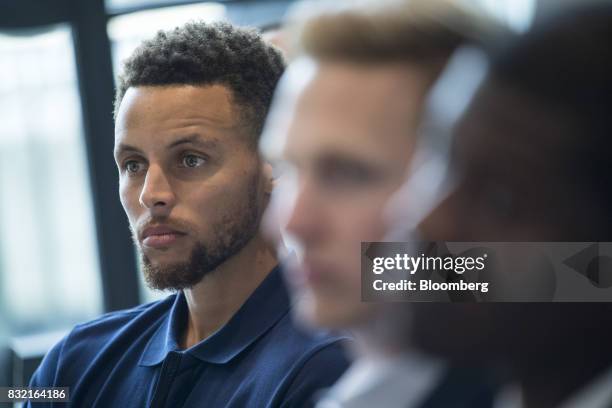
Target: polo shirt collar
266,306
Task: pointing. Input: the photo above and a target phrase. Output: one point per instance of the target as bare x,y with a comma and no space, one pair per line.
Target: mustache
173,223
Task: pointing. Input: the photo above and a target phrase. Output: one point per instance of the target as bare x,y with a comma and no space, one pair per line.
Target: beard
229,235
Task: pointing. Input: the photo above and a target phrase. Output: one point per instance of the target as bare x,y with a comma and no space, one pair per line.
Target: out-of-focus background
65,251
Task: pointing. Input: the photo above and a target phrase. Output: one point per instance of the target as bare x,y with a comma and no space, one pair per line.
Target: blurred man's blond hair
422,32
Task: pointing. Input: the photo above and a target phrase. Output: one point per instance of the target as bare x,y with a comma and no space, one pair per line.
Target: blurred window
49,273
127,31
112,5
516,14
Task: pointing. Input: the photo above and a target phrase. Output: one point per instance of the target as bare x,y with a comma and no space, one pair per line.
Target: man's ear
268,176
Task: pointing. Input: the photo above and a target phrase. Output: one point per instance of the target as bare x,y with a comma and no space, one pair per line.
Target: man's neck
214,300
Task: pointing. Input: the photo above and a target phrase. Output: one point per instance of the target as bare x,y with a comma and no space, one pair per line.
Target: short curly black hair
200,53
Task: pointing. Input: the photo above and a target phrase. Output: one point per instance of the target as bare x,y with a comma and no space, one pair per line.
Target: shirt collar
266,306
399,381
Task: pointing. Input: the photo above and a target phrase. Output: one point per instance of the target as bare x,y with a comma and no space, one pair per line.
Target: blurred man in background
190,107
343,128
529,161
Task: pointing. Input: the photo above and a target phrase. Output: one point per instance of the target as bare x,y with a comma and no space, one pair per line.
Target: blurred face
189,180
507,159
509,173
349,141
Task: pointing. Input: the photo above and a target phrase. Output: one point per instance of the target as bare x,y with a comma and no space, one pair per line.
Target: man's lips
160,236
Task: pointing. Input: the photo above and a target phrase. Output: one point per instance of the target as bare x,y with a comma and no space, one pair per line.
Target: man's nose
157,195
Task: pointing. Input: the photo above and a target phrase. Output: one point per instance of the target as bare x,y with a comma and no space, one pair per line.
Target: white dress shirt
399,382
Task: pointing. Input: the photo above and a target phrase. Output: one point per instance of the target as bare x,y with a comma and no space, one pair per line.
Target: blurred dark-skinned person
529,161
341,134
190,107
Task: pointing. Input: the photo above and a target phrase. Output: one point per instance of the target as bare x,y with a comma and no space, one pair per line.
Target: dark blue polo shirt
132,358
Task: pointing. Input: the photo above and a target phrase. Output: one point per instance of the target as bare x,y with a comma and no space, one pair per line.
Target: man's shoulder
67,360
113,321
126,323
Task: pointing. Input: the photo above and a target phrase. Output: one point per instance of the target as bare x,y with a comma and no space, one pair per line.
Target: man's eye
132,166
191,161
346,176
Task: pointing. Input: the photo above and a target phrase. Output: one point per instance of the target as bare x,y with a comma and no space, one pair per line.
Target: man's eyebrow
122,148
194,139
191,139
341,159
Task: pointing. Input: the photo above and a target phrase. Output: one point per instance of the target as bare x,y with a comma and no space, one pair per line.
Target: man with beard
190,105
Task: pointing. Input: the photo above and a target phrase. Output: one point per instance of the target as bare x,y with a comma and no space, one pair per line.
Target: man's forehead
144,105
321,104
336,111
338,82
156,114
313,140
